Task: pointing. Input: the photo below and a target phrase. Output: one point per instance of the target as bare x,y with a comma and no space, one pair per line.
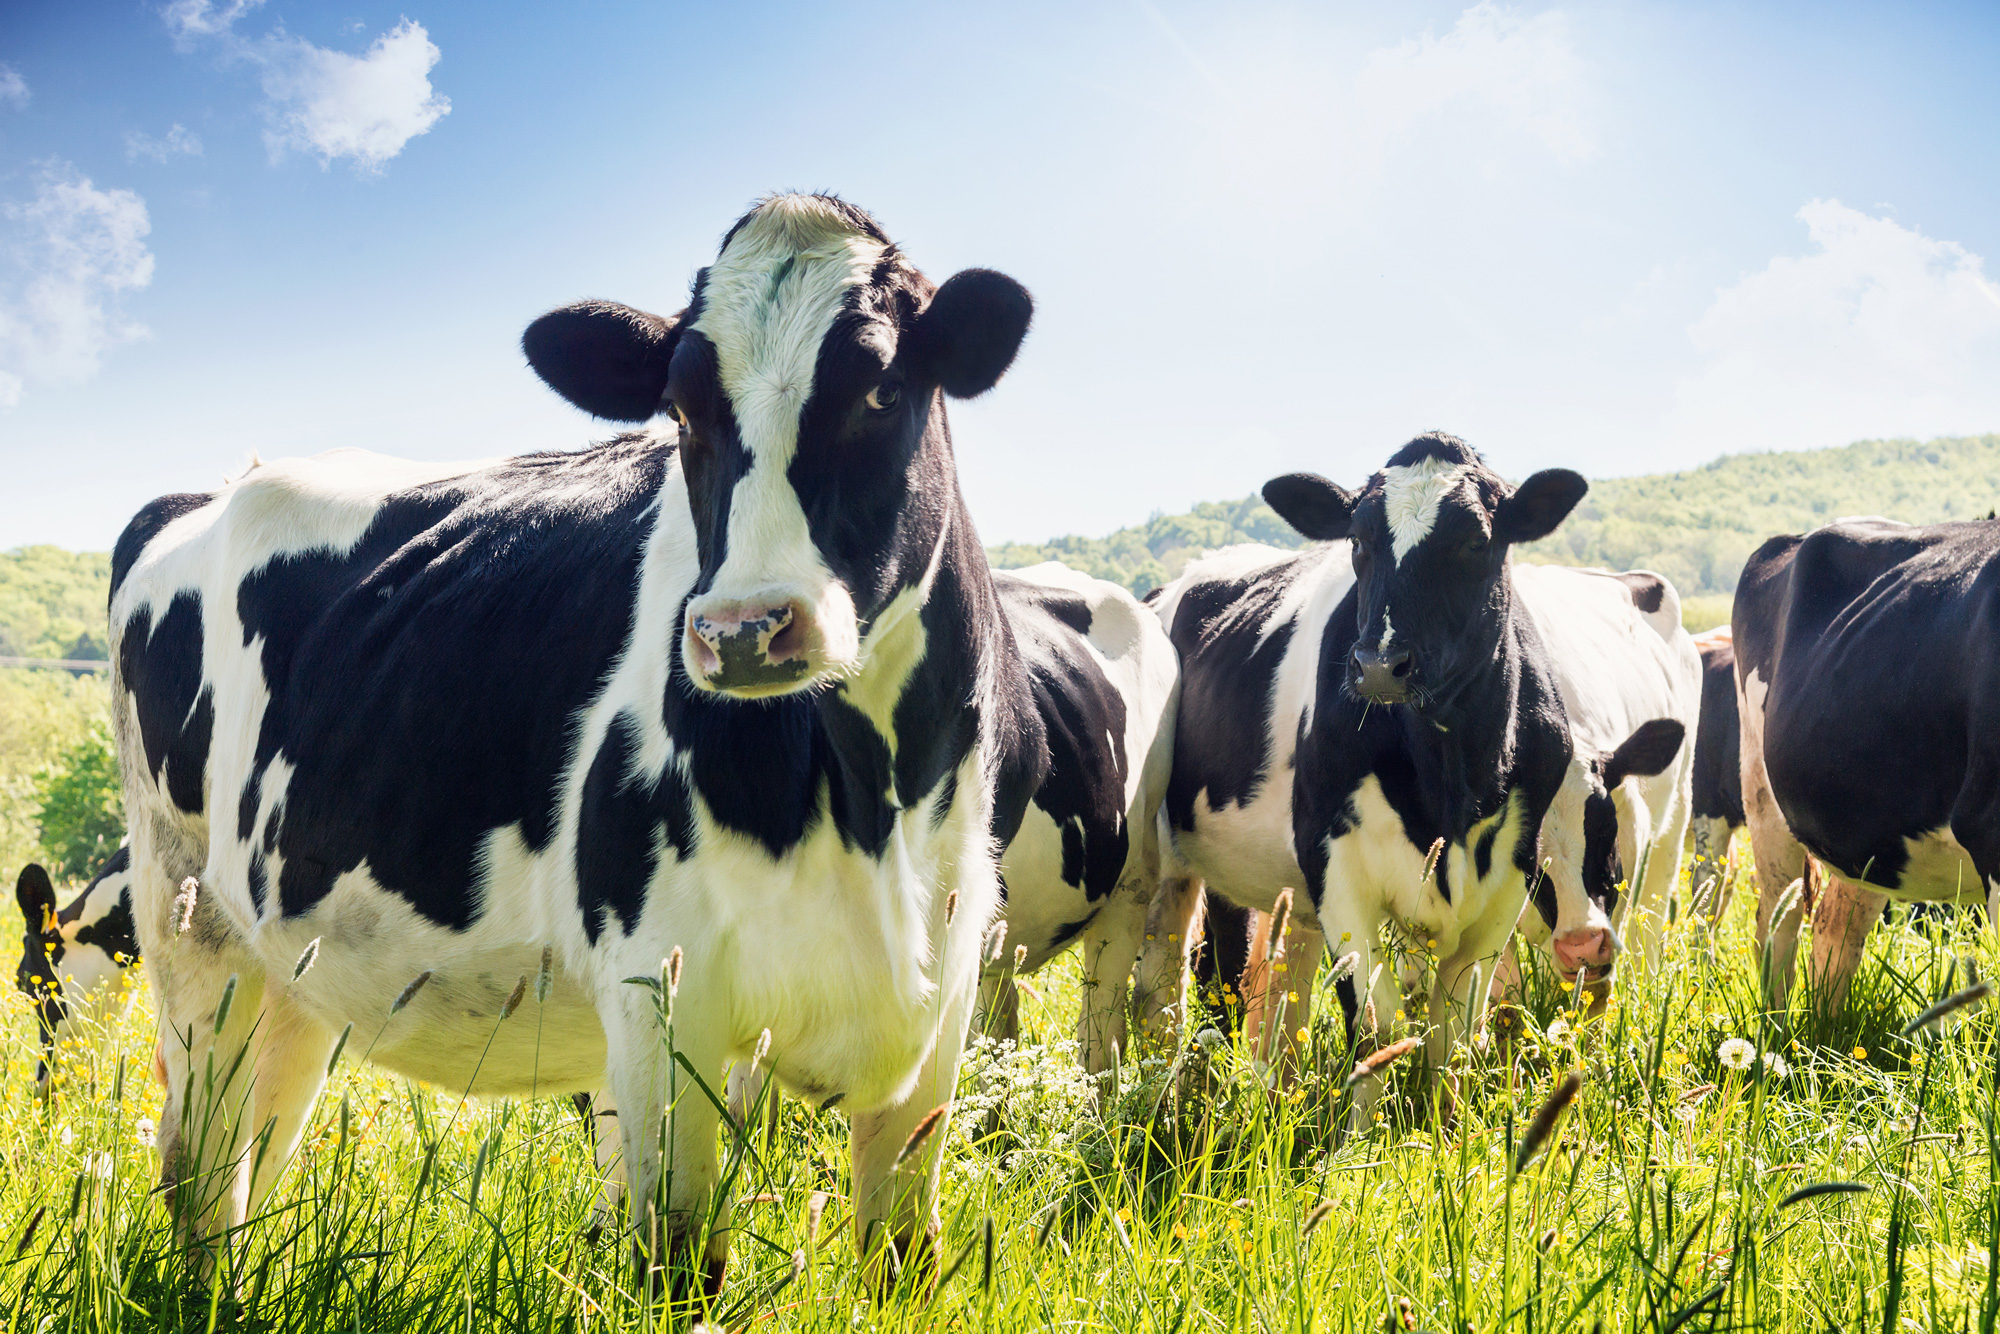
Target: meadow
1844,1178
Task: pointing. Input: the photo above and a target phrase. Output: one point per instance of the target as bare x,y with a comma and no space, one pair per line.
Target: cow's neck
1466,748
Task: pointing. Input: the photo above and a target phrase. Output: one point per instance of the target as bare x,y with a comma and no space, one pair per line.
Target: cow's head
1577,895
74,961
1430,535
806,376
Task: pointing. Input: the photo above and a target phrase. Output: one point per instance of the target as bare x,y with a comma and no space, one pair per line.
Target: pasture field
1668,1199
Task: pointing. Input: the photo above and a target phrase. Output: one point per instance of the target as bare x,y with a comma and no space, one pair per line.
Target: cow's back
352,658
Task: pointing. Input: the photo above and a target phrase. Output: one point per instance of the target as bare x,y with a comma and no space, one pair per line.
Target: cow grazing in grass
1086,862
1347,707
1718,779
74,959
736,690
1870,702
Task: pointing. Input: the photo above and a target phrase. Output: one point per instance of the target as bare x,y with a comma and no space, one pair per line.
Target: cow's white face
805,377
76,963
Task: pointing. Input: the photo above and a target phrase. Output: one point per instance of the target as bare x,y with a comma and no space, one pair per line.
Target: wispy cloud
362,109
365,108
1878,330
77,251
176,142
13,88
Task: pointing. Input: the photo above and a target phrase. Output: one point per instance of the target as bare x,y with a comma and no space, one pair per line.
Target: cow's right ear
1309,503
37,896
1648,751
610,360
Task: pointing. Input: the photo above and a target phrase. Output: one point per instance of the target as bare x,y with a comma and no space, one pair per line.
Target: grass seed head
815,1208
228,999
307,958
1281,920
1316,1217
924,1130
545,978
950,907
1377,1061
408,993
1543,1128
674,972
514,998
1949,1006
184,905
763,1050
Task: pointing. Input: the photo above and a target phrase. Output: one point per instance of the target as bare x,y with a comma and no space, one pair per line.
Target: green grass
1658,1205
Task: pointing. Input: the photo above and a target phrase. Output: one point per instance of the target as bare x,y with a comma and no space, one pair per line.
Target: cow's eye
680,418
885,396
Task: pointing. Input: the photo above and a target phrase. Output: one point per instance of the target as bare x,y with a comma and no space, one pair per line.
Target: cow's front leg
895,1211
1367,996
1842,918
1458,999
1160,979
680,1220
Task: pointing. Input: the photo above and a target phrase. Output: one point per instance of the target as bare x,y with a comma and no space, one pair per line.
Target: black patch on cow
1718,739
1083,721
162,667
1223,954
625,813
1069,931
1482,852
114,932
145,526
1228,670
1878,644
425,683
1648,590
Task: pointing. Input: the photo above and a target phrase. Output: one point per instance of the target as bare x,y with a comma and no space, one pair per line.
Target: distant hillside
52,602
1695,527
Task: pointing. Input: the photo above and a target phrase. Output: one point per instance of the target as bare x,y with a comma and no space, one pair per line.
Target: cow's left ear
1538,505
1648,751
610,360
1313,506
967,337
37,896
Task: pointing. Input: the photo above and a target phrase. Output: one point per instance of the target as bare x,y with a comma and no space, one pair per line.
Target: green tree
82,804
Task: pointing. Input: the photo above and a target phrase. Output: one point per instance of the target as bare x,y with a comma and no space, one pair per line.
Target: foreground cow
738,692
1718,779
1346,707
1086,861
74,959
1870,699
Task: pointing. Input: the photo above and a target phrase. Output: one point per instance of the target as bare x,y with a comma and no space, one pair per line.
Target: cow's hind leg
1842,918
209,1058
1160,980
1110,947
1781,859
292,1050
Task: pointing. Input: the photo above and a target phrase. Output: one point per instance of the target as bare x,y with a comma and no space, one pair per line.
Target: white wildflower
1558,1029
68,1137
99,1165
145,1132
1736,1053
1209,1038
1775,1065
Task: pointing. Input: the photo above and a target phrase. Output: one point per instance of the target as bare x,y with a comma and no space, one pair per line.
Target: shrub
82,804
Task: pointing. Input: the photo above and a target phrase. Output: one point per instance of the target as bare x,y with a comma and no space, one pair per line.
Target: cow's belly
1245,852
1939,870
1378,868
1045,912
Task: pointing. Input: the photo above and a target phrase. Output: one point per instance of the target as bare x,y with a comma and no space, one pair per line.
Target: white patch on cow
1411,495
896,645
767,305
1388,632
1939,870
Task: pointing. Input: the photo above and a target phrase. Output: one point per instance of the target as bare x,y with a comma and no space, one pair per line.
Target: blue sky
1617,237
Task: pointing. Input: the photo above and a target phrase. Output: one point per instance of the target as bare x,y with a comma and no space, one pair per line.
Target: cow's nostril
789,642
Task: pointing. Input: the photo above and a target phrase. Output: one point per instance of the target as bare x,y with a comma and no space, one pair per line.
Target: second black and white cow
1718,779
76,959
1868,661
736,693
1086,862
1347,707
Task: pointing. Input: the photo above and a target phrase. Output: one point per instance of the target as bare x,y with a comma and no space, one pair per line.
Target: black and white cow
1718,779
1868,665
1344,707
74,959
1086,862
737,690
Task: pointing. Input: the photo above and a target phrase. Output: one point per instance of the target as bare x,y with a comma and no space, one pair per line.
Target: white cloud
1493,60
1879,331
177,140
77,251
13,88
189,19
361,107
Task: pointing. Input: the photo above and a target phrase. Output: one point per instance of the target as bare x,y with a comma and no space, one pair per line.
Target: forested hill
1695,527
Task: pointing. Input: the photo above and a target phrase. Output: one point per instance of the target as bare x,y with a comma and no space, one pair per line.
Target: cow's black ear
967,337
37,896
1313,506
610,360
1538,505
1648,751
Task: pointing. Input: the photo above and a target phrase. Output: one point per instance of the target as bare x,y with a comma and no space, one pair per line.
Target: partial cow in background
1086,862
75,960
1868,665
1718,778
